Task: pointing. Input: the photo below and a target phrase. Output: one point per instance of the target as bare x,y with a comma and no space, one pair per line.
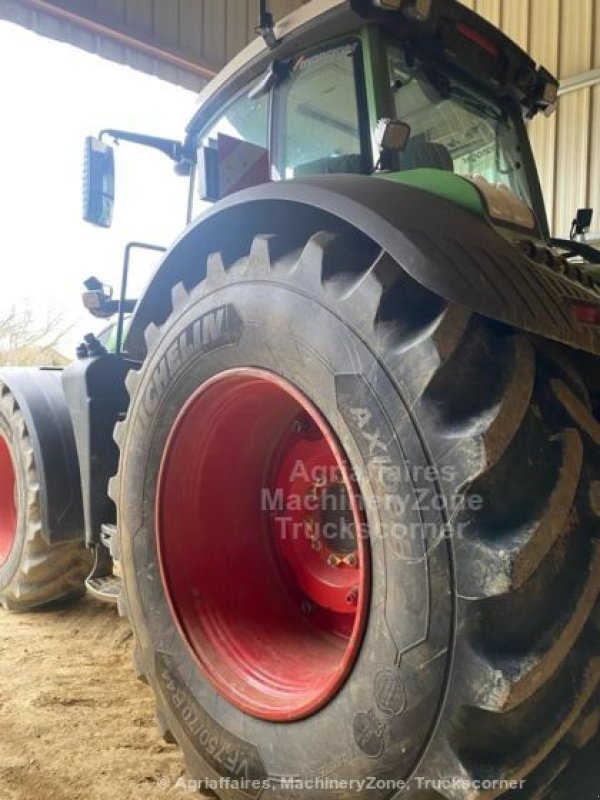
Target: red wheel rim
8,501
262,544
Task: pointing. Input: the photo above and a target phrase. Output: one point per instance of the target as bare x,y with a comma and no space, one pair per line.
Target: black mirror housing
98,182
582,222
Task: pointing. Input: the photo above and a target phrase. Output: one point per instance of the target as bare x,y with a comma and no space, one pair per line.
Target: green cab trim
443,184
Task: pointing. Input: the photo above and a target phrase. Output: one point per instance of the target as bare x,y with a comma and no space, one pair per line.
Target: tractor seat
417,153
330,166
421,153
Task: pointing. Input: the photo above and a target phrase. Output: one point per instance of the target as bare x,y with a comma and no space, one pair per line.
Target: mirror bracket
391,137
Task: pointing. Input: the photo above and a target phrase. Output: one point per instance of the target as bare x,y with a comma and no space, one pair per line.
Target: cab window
246,118
317,116
453,128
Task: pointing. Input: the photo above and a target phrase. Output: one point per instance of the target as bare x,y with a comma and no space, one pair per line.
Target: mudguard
39,395
94,390
449,249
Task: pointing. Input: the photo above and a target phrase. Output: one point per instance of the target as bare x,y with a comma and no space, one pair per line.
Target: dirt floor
76,724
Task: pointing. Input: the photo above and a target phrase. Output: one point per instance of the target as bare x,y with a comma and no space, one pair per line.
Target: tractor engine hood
474,193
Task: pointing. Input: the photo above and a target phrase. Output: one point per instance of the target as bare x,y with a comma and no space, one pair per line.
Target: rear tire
33,573
474,449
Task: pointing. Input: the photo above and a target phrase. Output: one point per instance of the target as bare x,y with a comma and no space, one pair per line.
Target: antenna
265,26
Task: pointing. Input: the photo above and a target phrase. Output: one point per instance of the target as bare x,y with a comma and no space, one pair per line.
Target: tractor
338,463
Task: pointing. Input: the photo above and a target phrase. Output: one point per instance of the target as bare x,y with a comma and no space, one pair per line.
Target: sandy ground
76,724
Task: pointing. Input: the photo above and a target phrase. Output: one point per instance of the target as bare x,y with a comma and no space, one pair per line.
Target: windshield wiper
442,86
473,104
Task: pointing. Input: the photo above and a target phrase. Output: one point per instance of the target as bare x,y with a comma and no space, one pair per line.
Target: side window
245,118
318,115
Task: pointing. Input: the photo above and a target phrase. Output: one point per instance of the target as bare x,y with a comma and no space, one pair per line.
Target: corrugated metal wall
564,36
207,33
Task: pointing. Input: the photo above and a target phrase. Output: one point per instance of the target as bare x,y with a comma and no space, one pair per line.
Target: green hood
444,184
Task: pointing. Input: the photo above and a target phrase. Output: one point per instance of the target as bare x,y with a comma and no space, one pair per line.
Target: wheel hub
317,535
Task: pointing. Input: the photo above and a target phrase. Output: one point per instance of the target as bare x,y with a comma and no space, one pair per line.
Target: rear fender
39,395
452,251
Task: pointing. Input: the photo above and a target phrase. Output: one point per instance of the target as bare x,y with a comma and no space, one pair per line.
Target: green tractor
354,488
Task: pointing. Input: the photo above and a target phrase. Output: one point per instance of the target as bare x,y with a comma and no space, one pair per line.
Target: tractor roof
320,20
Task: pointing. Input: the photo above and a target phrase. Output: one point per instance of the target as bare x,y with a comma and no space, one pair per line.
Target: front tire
472,449
33,573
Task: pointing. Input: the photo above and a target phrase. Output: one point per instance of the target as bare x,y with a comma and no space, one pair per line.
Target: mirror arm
171,148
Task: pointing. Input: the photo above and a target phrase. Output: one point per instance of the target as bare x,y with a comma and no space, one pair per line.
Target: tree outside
28,340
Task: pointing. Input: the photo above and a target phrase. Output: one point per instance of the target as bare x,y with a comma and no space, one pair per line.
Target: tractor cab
456,87
418,91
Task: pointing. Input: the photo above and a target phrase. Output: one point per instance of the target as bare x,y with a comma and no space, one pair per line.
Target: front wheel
33,573
357,529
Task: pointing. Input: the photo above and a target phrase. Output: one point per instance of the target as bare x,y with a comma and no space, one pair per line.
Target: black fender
96,396
453,252
39,395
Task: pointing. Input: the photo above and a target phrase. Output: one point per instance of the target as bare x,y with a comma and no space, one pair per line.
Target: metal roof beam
196,68
581,81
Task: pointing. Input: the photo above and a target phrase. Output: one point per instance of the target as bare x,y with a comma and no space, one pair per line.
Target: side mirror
392,135
582,222
98,182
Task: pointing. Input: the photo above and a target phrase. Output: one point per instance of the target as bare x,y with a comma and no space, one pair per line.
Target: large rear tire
33,573
471,448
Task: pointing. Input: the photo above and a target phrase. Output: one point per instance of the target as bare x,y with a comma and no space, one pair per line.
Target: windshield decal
325,55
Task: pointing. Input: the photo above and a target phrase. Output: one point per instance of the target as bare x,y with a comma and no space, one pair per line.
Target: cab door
320,119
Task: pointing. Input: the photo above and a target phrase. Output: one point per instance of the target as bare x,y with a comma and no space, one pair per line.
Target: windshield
453,128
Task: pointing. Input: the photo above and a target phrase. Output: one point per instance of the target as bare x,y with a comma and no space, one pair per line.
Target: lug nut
352,596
